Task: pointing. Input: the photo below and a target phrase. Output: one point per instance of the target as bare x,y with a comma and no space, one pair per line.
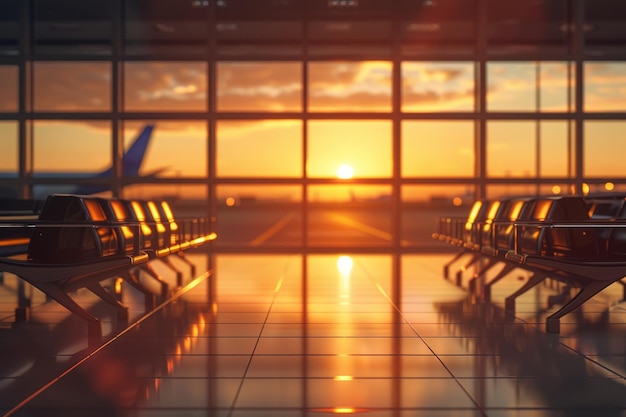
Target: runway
363,225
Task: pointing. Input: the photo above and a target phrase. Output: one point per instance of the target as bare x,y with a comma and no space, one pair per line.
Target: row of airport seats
579,242
82,241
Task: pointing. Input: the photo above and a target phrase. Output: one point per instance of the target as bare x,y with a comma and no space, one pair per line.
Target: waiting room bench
463,233
569,246
80,241
557,238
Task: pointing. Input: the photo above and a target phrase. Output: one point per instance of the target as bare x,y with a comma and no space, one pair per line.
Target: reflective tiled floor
286,335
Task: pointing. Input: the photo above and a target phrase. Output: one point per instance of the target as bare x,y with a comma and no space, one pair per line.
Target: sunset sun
345,171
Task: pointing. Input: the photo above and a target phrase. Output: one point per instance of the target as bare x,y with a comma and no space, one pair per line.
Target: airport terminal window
556,148
288,126
9,87
529,189
72,86
178,148
529,86
76,147
349,214
259,215
161,86
423,204
349,148
529,148
441,148
438,86
259,148
259,86
511,149
192,197
350,86
605,86
600,136
9,163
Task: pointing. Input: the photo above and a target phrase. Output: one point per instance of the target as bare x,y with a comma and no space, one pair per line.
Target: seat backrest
475,219
496,210
153,229
73,239
168,219
559,241
119,211
516,210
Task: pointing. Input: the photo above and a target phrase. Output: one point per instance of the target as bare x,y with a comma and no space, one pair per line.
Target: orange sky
273,148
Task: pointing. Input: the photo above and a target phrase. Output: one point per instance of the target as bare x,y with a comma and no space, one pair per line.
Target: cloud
350,86
165,86
72,86
259,87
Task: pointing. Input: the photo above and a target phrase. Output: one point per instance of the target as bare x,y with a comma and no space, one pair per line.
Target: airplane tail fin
134,156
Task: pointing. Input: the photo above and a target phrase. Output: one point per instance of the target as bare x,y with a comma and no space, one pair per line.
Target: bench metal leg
588,291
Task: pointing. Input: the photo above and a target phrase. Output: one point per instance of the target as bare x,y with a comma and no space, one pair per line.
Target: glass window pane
259,215
10,11
165,86
555,149
75,148
511,150
259,86
177,148
66,151
347,214
437,148
437,86
72,86
422,205
517,190
605,86
166,27
605,187
72,26
349,148
556,79
529,86
362,86
9,88
10,151
511,86
604,148
266,148
187,200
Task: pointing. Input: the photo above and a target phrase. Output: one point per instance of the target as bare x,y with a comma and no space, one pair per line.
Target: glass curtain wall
313,124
